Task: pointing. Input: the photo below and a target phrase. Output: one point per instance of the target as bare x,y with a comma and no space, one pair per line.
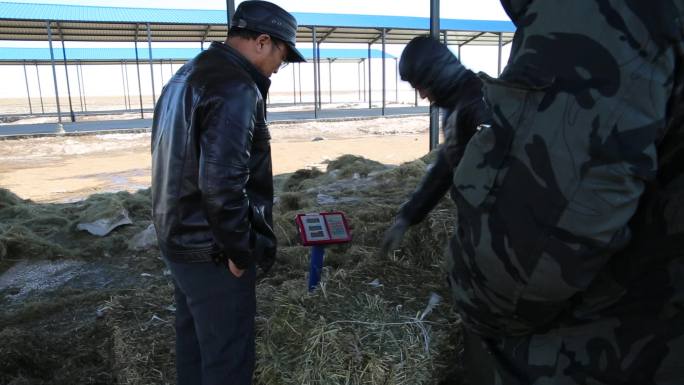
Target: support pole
149,49
459,52
315,70
320,87
294,85
370,96
299,78
358,78
66,72
28,93
383,73
128,86
85,98
161,71
54,72
40,89
230,11
123,85
137,68
315,266
434,110
330,80
498,63
80,89
363,67
396,80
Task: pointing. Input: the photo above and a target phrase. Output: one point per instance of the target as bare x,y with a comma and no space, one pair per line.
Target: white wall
106,80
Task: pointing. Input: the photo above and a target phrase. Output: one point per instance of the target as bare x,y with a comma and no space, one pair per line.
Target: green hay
142,336
348,165
430,157
291,202
346,332
7,198
350,332
49,358
36,231
294,182
55,341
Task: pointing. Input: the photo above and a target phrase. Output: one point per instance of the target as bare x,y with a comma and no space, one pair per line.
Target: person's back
546,195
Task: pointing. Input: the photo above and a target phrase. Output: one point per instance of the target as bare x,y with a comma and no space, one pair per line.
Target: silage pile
368,323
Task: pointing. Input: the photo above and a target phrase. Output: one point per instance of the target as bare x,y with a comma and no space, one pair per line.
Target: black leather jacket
212,182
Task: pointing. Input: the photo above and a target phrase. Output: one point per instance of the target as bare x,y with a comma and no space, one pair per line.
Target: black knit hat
429,64
268,18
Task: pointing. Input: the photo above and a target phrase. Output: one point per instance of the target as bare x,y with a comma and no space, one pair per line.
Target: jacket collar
262,82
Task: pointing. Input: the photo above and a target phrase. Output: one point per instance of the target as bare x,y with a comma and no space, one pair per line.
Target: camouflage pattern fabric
567,264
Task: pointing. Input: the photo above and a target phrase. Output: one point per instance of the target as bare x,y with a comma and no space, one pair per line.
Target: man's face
425,94
271,55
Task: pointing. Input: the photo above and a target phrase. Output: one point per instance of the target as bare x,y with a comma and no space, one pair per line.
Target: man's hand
234,269
393,236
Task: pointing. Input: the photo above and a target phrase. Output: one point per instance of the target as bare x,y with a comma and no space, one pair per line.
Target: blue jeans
214,324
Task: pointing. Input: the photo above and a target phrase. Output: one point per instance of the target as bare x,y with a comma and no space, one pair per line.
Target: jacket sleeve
515,8
432,188
225,142
460,126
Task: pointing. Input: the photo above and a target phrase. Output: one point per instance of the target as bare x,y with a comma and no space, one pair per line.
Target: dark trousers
214,324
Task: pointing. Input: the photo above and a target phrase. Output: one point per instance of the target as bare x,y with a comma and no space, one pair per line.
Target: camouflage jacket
545,193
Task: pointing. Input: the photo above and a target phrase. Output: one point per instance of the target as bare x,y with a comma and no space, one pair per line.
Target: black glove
264,252
394,235
263,239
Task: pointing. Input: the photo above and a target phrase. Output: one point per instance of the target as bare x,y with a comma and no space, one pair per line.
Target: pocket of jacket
512,106
474,177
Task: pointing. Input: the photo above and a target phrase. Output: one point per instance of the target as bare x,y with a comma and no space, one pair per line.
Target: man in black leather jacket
212,191
433,70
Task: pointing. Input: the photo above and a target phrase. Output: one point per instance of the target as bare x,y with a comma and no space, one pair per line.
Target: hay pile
363,325
30,230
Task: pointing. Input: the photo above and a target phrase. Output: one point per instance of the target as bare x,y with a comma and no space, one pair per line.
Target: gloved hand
264,244
394,235
264,252
267,259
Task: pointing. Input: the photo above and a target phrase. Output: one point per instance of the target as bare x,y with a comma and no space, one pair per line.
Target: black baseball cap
264,17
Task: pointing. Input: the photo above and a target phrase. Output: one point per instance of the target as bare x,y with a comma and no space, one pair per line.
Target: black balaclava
428,64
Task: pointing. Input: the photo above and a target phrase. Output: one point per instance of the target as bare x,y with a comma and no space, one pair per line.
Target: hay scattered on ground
47,231
363,325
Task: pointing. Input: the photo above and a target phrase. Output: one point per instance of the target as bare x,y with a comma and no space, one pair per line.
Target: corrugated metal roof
13,55
21,21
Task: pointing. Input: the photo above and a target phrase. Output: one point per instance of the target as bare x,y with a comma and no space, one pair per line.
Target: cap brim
294,56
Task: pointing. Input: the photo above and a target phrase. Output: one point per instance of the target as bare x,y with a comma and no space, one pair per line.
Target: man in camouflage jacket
567,263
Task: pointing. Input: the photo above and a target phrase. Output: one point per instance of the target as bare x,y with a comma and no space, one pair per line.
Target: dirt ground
69,168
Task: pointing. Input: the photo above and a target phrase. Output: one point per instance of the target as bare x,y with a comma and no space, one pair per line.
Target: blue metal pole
316,265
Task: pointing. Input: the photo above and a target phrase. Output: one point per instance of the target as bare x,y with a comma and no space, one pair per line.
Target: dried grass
348,331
